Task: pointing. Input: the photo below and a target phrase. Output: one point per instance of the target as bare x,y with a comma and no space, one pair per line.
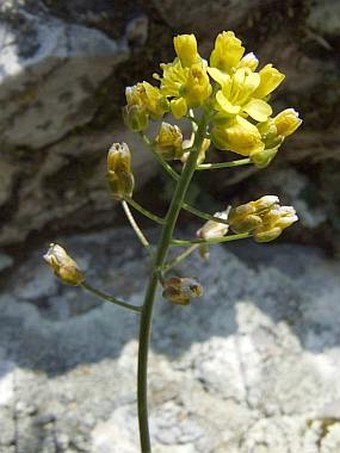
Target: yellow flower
186,49
264,218
237,135
236,96
197,88
287,122
227,52
168,142
185,87
148,98
119,174
270,80
63,265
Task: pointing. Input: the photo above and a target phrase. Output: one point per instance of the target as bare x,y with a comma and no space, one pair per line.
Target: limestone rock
251,366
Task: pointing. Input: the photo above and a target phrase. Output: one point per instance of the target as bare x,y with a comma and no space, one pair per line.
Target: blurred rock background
257,370
63,69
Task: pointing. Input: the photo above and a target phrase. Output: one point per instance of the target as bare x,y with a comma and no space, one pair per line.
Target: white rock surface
251,367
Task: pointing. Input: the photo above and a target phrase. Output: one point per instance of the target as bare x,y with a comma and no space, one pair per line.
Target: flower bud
169,141
266,235
249,61
63,265
265,203
287,122
213,229
228,51
143,100
119,174
239,136
274,221
135,117
181,290
263,158
197,88
178,107
186,49
248,217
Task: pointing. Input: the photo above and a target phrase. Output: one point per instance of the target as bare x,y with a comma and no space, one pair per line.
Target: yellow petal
226,106
258,109
186,49
287,122
239,136
178,108
249,61
270,79
218,75
227,52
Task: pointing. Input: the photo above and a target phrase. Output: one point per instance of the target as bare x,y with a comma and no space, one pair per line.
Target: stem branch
134,225
233,163
109,298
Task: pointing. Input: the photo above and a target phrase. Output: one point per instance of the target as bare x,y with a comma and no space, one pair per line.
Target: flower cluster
229,86
264,218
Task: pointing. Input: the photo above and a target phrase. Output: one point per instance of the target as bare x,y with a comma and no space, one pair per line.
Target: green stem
233,237
204,215
162,250
233,163
171,172
179,258
144,211
110,299
134,225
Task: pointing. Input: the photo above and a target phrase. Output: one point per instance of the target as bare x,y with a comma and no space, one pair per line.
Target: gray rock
251,366
46,89
63,69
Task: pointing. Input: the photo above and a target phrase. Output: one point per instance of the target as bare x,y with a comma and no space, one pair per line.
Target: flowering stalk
162,249
227,104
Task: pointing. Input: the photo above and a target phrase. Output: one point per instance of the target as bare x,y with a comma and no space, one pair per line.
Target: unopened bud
263,158
119,174
169,141
248,217
213,229
265,203
186,49
287,122
267,235
135,117
181,290
63,265
274,221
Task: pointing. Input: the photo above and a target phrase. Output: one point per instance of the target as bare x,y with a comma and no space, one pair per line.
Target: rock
251,366
46,89
64,66
6,261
